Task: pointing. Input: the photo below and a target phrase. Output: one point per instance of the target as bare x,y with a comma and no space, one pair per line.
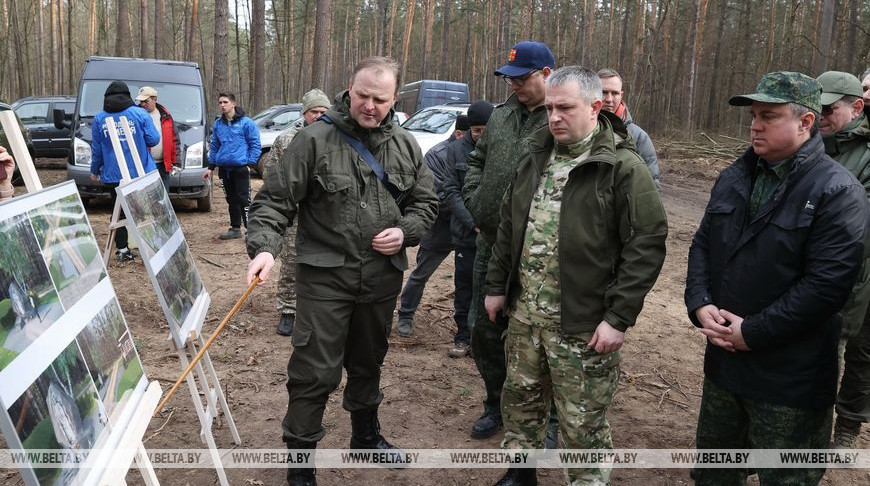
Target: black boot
285,325
519,476
302,476
366,434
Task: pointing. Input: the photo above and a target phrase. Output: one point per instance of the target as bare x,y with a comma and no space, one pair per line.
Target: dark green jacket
612,230
851,148
338,201
492,164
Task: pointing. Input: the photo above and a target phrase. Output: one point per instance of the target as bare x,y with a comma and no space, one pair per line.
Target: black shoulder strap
370,160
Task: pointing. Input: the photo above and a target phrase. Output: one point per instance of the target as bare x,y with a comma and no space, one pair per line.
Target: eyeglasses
519,80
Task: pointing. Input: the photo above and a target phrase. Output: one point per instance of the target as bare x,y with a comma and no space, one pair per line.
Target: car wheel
204,203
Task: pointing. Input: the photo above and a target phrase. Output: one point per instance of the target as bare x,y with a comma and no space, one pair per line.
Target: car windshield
259,117
184,102
433,120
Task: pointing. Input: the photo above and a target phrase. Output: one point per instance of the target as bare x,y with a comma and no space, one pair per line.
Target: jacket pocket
791,229
404,183
722,224
332,196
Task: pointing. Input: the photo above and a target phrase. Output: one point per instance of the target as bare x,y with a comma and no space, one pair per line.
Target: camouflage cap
784,87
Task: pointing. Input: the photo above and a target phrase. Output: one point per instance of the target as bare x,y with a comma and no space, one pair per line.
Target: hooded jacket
612,230
339,202
234,143
851,148
787,272
118,103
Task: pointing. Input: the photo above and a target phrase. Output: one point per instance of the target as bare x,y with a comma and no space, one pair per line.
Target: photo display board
70,375
153,224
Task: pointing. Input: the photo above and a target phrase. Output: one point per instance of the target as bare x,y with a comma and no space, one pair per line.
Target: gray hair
866,73
587,80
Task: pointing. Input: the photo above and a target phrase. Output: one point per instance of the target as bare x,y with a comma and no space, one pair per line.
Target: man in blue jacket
235,144
104,165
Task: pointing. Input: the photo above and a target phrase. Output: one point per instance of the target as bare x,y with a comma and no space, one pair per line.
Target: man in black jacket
770,266
437,243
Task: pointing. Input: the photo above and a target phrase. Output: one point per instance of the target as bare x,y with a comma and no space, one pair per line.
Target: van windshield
184,102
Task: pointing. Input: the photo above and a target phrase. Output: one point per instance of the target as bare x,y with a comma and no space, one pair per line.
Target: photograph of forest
60,410
179,283
150,210
114,365
29,303
69,248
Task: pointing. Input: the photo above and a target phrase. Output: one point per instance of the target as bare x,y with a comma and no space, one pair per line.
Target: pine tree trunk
221,47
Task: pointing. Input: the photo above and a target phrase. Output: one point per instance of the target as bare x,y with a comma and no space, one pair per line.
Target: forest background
680,59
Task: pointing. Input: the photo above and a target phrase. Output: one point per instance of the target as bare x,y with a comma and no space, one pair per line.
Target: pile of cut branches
702,146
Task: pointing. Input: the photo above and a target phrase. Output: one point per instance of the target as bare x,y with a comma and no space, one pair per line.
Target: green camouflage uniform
490,169
287,278
773,427
543,364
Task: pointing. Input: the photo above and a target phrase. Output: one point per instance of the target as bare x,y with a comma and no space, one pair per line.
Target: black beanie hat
117,87
479,112
462,123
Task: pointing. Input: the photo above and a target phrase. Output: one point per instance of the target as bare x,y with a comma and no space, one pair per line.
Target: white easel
186,348
115,223
130,447
208,379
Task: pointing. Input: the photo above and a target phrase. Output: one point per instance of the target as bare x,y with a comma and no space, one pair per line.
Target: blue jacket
103,161
235,143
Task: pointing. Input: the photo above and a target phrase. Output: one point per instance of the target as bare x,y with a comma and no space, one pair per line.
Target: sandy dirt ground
430,399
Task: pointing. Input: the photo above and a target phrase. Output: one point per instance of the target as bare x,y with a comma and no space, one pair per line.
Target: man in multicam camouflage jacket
314,105
580,243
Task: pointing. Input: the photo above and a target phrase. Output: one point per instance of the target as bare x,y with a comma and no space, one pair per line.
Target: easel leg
145,466
113,227
204,381
204,421
221,397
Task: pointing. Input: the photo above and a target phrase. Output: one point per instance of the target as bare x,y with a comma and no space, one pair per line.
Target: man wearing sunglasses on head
491,168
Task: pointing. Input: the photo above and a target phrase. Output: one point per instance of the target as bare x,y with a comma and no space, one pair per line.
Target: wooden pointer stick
208,343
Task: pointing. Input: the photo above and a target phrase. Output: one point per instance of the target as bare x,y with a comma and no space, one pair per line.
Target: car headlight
82,153
193,156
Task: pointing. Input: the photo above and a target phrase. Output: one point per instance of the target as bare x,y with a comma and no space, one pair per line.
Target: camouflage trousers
543,366
728,421
287,276
487,337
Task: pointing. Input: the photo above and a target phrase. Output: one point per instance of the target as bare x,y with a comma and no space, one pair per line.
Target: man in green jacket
353,228
846,132
490,169
580,243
